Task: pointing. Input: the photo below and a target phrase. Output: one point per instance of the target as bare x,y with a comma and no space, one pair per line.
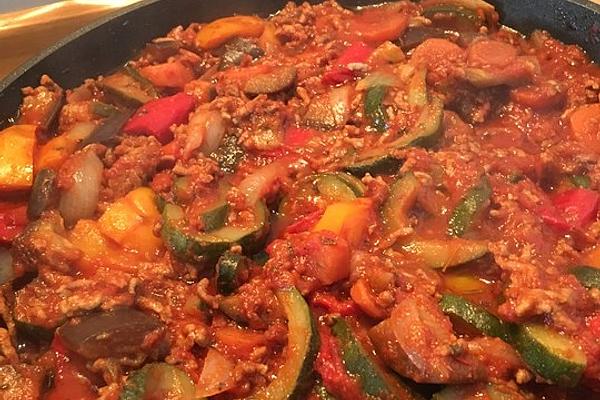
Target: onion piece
206,130
6,268
264,180
216,376
80,200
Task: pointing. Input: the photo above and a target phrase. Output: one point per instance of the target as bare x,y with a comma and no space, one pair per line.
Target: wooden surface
25,33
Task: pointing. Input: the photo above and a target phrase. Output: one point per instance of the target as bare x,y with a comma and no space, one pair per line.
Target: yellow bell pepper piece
130,222
222,30
464,284
16,157
348,219
592,258
54,153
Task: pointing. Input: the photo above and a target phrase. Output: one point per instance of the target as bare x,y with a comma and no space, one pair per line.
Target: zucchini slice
361,363
551,355
158,381
230,270
446,253
211,245
589,277
474,315
294,377
473,202
426,133
215,217
403,195
374,108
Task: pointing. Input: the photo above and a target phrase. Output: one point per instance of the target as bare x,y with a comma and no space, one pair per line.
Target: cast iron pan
106,44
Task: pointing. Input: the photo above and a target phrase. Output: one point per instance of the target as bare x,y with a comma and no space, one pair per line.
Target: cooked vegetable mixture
392,202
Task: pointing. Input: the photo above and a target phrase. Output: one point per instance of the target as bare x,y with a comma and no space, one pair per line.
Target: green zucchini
581,181
375,162
550,354
361,363
294,378
374,109
445,253
210,245
426,133
428,129
158,381
332,187
474,315
102,109
403,194
215,217
589,277
126,90
481,391
472,203
230,270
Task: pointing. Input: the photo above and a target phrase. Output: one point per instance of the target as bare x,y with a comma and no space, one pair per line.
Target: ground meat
41,105
130,165
73,113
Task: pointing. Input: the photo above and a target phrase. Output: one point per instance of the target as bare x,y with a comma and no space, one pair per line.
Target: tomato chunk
12,222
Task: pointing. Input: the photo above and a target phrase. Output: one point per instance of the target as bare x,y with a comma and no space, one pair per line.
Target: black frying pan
106,44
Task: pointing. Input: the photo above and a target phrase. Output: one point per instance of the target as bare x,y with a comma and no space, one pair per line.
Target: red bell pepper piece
12,222
304,223
358,52
334,305
571,209
69,382
156,117
296,137
330,366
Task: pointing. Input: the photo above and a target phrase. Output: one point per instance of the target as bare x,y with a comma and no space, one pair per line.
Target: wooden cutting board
25,33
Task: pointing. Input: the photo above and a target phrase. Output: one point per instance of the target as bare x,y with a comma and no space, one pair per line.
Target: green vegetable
403,194
374,108
43,193
474,315
230,268
360,362
102,109
550,354
442,254
589,277
581,181
215,217
144,83
426,132
473,202
158,381
294,377
210,245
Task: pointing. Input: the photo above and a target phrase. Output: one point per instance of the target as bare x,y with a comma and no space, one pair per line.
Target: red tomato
358,52
332,304
296,137
304,223
376,27
69,382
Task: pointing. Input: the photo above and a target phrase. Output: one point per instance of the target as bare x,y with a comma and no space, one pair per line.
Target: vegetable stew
391,202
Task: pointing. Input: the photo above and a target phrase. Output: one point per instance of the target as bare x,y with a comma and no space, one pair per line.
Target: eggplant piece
229,154
102,109
233,52
43,195
416,35
7,272
117,333
280,78
126,90
107,133
144,83
162,48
